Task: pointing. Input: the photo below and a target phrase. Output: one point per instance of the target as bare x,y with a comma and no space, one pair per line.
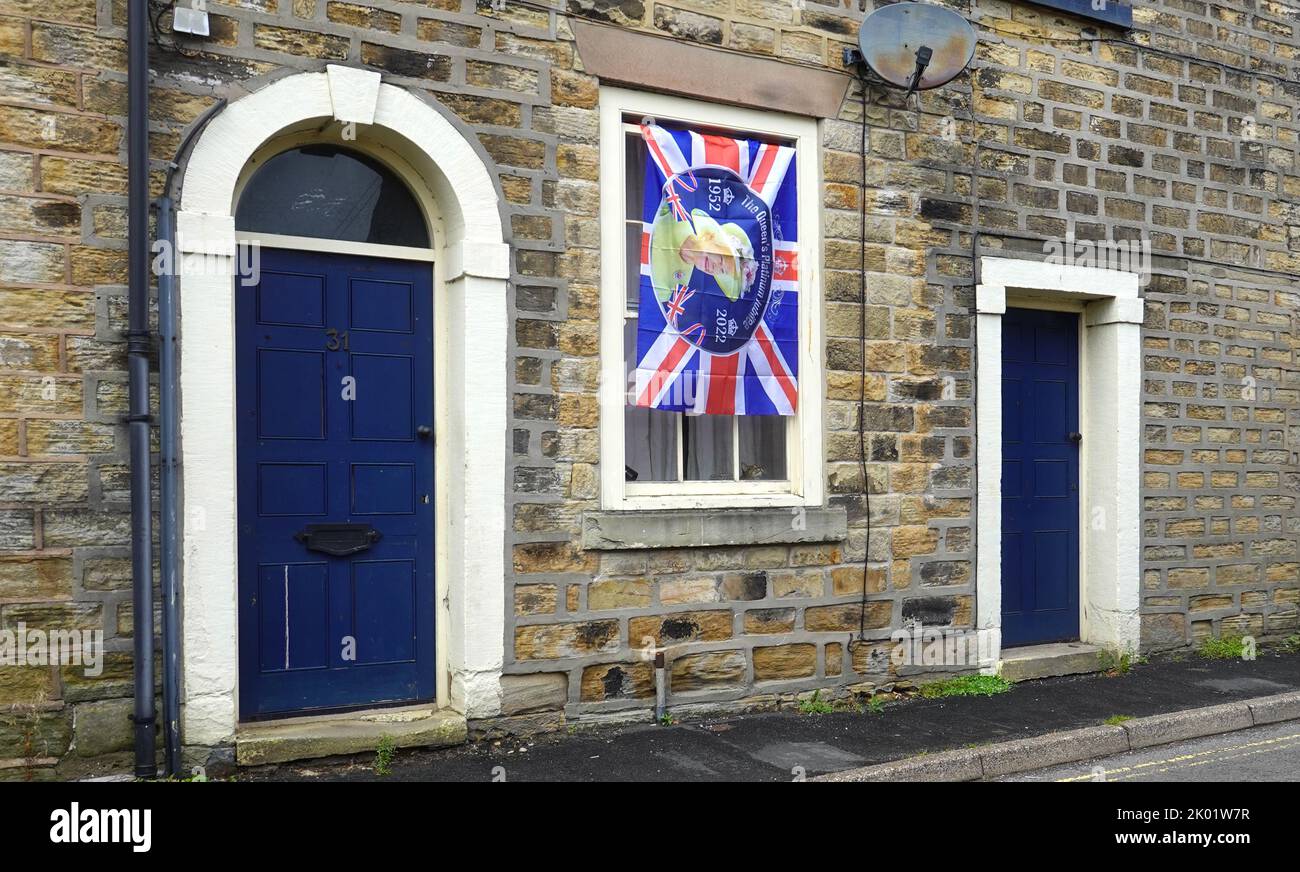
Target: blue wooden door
335,416
1040,477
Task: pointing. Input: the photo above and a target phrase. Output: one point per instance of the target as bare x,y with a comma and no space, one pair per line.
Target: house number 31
334,340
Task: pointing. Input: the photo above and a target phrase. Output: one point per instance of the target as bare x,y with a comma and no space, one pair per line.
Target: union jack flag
676,305
719,335
676,184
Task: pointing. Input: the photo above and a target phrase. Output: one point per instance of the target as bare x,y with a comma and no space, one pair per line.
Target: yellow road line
1138,769
1218,760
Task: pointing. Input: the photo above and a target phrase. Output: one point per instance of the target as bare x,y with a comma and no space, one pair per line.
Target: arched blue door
336,488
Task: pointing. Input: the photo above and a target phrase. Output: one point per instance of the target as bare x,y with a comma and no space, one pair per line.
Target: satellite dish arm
923,56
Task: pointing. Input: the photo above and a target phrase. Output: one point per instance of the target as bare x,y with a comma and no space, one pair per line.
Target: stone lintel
671,66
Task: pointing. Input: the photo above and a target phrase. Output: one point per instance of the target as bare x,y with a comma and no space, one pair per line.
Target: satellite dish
916,46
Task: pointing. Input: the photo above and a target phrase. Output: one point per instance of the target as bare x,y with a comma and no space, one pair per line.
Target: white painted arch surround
1110,419
471,267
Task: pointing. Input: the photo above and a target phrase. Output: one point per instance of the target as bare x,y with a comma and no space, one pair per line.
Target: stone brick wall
1079,136
1079,133
63,463
1220,479
1192,143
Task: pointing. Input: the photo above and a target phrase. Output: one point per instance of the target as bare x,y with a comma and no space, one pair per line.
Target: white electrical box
192,20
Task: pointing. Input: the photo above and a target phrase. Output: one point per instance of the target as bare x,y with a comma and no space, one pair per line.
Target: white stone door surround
471,267
1110,415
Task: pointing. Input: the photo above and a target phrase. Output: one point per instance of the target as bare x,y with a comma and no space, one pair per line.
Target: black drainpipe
137,350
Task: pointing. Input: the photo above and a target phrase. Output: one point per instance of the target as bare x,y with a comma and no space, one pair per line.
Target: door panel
384,600
1040,477
297,590
385,409
290,394
335,374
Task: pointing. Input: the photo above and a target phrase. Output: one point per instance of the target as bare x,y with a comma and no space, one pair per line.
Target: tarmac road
1268,753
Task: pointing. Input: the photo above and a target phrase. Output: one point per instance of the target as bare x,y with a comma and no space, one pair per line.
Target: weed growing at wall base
966,685
815,705
1116,661
1230,647
384,755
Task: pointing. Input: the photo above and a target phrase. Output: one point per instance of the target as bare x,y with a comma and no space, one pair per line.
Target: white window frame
804,462
805,484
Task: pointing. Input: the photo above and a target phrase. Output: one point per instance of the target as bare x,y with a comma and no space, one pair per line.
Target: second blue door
335,503
1040,477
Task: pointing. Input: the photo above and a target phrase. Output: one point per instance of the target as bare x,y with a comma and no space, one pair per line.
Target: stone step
1050,661
353,733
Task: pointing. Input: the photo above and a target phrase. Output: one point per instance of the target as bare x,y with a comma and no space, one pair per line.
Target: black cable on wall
862,362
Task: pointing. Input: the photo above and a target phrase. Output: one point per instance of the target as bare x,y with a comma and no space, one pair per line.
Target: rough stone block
539,691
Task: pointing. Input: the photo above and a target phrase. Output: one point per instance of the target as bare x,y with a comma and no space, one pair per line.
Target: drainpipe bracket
138,341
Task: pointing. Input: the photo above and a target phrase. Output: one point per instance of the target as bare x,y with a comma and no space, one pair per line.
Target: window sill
615,531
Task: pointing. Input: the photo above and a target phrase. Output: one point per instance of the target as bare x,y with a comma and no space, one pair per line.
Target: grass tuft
1117,661
966,685
1116,720
815,705
384,755
1231,647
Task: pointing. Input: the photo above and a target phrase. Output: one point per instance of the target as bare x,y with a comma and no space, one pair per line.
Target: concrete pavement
788,745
